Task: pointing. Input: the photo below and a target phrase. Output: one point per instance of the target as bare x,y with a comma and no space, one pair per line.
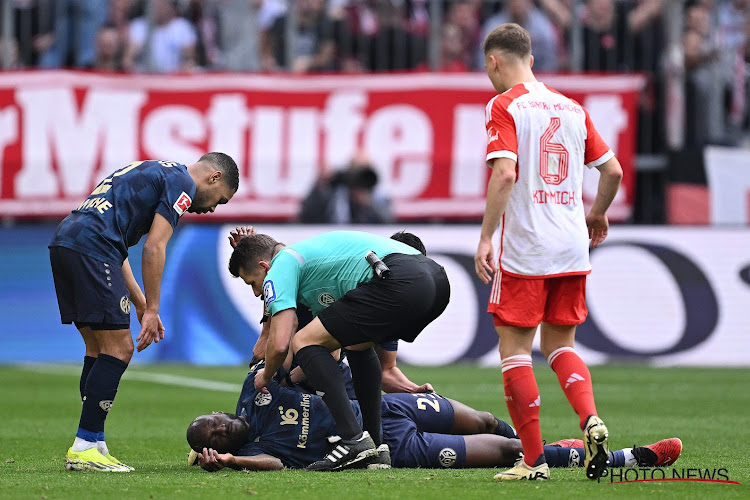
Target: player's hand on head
152,330
598,225
484,261
238,233
261,381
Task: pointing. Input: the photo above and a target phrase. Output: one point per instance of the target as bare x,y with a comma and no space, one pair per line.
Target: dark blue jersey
287,424
121,209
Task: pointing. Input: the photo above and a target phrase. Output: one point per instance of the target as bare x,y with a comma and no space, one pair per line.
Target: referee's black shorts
399,307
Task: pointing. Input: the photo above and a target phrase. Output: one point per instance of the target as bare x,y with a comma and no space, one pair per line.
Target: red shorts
526,302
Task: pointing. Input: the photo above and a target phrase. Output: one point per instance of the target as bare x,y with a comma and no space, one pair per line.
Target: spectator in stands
229,35
544,41
9,46
381,36
560,12
704,119
34,32
108,50
171,41
347,197
120,15
453,49
746,60
464,15
732,18
269,11
622,36
314,48
76,25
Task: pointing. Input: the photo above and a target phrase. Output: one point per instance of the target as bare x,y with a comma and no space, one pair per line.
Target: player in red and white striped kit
539,142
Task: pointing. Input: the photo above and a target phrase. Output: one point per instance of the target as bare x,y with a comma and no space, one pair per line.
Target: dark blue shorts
90,292
416,427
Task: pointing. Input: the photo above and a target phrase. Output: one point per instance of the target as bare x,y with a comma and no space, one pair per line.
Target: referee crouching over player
354,307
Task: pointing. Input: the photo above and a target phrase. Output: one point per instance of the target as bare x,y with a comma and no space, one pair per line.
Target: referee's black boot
346,454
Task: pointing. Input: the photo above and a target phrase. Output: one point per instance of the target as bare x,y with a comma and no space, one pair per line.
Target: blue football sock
563,457
99,393
86,435
88,363
617,458
505,429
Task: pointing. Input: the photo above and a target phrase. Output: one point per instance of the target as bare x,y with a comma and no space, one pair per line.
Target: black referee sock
88,363
100,390
323,373
366,378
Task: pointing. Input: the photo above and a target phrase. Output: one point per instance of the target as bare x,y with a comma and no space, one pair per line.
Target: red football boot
660,454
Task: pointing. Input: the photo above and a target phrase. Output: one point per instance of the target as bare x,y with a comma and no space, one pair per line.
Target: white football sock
630,460
102,447
82,445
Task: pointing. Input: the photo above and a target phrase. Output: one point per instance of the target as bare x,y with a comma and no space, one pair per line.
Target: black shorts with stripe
399,307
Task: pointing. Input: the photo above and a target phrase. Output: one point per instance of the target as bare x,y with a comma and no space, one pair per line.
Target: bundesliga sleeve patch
269,292
182,203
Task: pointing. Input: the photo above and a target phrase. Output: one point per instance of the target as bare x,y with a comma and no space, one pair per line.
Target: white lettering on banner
172,131
8,130
287,145
343,120
266,147
73,130
399,140
468,175
228,122
610,119
303,153
103,133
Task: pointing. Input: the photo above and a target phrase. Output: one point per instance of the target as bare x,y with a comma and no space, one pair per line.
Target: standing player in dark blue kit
95,284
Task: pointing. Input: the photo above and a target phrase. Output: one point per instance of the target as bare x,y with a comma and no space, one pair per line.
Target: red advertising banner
61,132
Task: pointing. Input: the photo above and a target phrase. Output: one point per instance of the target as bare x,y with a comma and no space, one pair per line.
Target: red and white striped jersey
551,138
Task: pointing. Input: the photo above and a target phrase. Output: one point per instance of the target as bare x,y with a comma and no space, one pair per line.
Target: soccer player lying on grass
286,428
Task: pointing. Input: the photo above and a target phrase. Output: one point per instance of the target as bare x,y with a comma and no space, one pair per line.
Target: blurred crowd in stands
356,35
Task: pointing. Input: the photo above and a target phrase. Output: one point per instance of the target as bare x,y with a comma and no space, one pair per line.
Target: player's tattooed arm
136,295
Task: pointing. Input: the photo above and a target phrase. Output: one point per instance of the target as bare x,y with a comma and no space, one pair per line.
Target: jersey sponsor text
541,196
305,431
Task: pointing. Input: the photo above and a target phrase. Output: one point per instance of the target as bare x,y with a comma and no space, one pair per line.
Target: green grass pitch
709,409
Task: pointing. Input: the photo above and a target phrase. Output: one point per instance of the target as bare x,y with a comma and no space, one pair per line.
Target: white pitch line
157,378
